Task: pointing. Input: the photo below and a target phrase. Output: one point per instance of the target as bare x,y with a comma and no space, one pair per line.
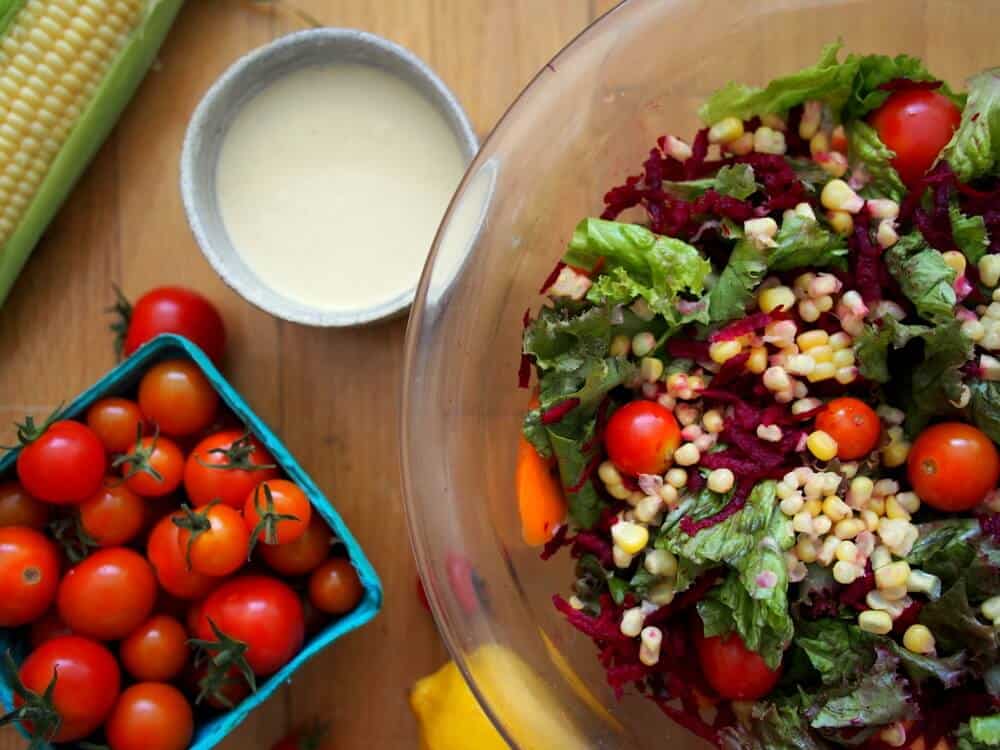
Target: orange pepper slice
540,498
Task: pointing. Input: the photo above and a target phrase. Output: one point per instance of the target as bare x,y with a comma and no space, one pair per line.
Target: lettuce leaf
974,149
804,243
945,548
837,649
957,627
929,388
734,290
980,733
984,407
867,153
736,180
924,277
969,233
563,340
872,347
875,70
775,723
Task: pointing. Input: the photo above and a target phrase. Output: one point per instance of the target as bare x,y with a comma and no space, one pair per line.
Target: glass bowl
586,122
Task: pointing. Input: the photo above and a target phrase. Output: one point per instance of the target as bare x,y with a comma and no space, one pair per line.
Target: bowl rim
207,117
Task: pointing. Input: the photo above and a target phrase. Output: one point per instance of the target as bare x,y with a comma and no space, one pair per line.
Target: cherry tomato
150,716
165,554
173,309
18,508
641,437
29,575
86,688
156,651
46,628
952,466
916,124
853,424
304,554
734,671
307,737
214,540
277,512
114,515
227,466
177,397
154,467
116,421
334,587
107,595
260,611
63,465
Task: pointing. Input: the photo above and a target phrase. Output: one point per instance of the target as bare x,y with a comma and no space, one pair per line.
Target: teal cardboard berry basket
123,380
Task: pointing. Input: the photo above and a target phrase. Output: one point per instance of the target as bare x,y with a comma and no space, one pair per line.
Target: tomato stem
222,655
28,432
196,523
269,518
138,459
122,309
72,537
37,715
237,455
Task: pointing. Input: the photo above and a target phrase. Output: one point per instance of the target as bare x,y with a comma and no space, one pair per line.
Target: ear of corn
67,70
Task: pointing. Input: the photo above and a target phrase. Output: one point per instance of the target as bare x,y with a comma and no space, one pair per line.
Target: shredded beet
743,326
942,713
853,595
732,369
551,278
679,348
559,540
990,524
591,626
524,371
588,542
699,150
685,600
586,474
907,84
866,261
908,617
739,498
690,721
556,412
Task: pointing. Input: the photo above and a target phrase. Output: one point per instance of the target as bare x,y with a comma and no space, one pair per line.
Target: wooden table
333,396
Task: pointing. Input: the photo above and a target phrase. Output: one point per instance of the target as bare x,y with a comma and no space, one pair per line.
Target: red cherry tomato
116,421
86,688
47,628
114,515
18,508
226,466
29,575
304,554
853,424
63,465
952,466
157,650
154,467
173,309
165,554
260,611
176,396
214,539
641,437
334,587
277,511
150,716
916,124
733,671
107,595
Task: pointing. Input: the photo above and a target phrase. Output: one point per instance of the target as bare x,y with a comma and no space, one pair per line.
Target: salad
766,415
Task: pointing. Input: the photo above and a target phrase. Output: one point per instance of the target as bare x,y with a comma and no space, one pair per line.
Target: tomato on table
304,554
853,424
114,515
277,512
334,587
83,695
171,309
641,438
734,671
29,575
214,539
227,466
18,508
176,396
540,500
916,124
259,611
153,466
156,651
952,466
107,595
166,555
116,421
150,716
61,463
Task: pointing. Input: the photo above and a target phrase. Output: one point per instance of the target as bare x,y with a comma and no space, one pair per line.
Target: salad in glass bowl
766,413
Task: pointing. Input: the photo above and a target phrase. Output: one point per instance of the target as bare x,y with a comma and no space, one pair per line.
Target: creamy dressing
332,181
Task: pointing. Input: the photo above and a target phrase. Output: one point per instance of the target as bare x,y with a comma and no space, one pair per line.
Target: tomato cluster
159,563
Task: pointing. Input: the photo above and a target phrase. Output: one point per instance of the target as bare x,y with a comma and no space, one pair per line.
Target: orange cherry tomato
165,554
641,438
277,512
304,554
150,716
334,587
153,467
226,466
853,424
107,595
916,124
734,671
29,575
952,466
114,515
18,508
177,397
540,499
214,540
157,650
116,421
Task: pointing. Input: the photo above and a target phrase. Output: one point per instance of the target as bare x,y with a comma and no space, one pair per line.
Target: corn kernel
870,518
894,735
775,298
893,574
886,235
741,146
643,343
885,487
802,522
989,270
835,509
687,455
621,345
840,222
809,311
847,551
822,371
919,639
721,480
824,304
678,148
651,369
848,528
725,130
769,141
660,562
668,494
632,538
618,491
812,116
812,339
722,351
631,624
955,261
895,454
805,549
712,421
894,510
837,195
661,594
843,358
826,551
892,607
609,473
873,621
620,557
800,364
677,478
893,593
821,525
776,379
813,506
846,572
880,557
991,608
882,208
819,144
649,647
792,504
920,582
647,509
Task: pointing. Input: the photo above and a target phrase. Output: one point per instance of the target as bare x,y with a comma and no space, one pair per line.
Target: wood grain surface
333,396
